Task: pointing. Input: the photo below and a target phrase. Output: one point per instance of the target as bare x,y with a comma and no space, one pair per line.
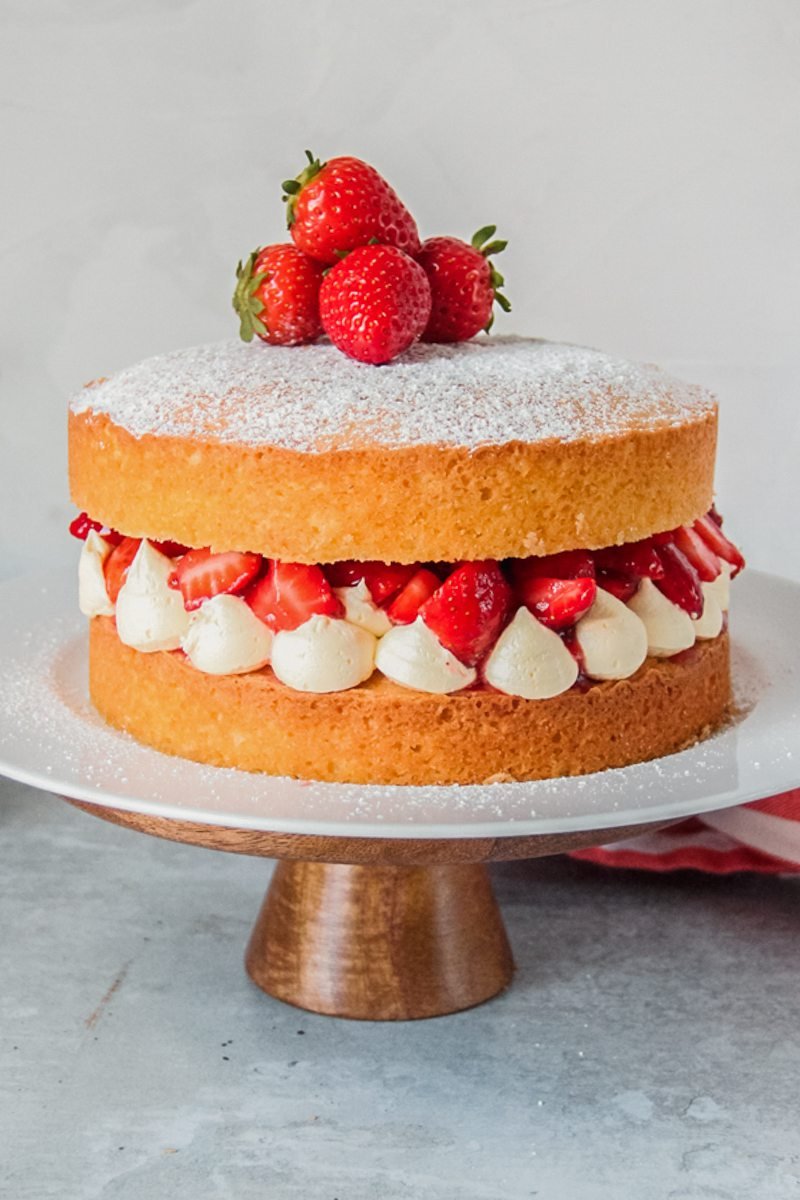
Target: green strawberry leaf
483,235
495,277
246,302
293,187
497,282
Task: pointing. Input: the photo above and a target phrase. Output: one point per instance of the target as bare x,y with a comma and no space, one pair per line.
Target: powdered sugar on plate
312,398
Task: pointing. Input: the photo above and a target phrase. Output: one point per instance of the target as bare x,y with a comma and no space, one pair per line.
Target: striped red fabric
763,836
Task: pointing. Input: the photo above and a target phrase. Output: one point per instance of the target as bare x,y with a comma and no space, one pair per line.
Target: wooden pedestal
380,943
373,928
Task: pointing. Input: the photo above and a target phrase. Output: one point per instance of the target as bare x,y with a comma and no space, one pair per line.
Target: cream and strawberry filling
532,627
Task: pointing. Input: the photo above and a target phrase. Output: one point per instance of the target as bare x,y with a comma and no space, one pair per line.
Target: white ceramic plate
51,737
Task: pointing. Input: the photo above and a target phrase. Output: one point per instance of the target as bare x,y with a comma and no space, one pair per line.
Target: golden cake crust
531,449
382,733
418,503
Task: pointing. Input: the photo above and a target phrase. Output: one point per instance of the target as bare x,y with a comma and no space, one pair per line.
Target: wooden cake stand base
375,929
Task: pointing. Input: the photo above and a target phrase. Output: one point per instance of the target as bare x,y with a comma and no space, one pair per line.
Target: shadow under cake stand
381,905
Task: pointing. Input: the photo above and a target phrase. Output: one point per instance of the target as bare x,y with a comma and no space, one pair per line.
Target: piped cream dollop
225,637
720,588
612,639
93,597
669,628
716,597
324,654
150,615
413,656
709,625
530,660
360,609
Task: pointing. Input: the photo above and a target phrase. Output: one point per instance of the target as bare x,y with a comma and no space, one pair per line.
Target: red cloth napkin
763,836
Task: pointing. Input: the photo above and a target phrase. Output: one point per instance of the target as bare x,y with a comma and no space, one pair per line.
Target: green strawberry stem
293,187
481,241
245,301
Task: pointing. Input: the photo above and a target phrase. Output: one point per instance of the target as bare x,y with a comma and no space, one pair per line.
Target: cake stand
381,906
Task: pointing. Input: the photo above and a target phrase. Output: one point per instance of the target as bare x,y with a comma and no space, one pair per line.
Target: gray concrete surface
649,1047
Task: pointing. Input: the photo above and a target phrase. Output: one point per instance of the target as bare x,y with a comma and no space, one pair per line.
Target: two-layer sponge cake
492,559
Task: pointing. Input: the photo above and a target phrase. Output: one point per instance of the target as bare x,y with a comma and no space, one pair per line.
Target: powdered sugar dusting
312,398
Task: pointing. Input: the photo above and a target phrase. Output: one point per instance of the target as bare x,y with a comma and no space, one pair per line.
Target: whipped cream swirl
150,614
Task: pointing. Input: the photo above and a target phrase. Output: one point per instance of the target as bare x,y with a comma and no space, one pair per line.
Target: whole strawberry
277,296
335,206
464,285
375,303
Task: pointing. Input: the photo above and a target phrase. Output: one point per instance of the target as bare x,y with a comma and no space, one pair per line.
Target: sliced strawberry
715,517
407,603
713,536
83,523
621,586
290,593
631,558
698,552
345,573
558,603
441,569
171,549
557,588
80,526
469,609
384,580
568,564
116,565
199,575
680,582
